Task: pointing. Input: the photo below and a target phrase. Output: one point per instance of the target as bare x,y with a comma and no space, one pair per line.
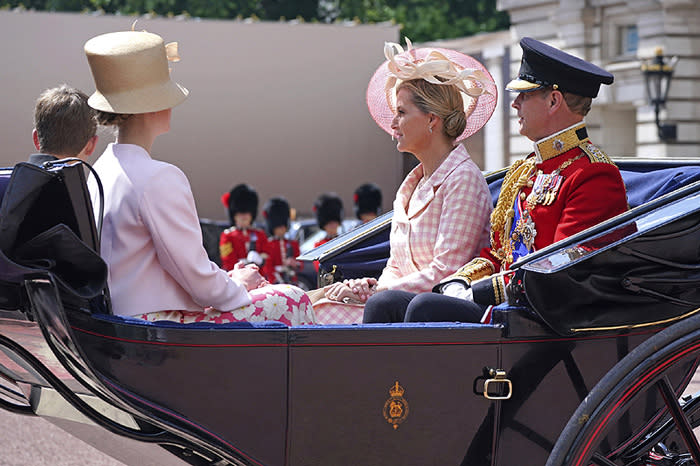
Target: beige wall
279,106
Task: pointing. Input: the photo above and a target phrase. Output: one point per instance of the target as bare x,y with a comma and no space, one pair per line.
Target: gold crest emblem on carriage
396,407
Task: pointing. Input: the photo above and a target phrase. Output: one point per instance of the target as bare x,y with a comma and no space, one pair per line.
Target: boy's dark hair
64,121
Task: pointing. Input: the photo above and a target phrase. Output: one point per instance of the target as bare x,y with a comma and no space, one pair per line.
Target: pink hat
437,66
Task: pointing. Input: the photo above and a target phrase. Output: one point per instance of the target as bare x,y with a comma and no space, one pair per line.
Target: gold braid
503,214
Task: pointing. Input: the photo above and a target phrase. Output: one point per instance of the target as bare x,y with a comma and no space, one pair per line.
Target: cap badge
558,144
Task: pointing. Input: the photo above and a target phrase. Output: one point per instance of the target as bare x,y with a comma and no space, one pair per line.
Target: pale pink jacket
439,229
152,241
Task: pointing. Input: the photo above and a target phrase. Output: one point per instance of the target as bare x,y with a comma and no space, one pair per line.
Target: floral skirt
283,303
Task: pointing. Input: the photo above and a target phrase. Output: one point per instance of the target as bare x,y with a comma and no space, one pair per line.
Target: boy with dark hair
64,125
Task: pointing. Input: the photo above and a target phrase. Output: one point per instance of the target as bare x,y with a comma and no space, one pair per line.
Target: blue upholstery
644,187
199,325
365,260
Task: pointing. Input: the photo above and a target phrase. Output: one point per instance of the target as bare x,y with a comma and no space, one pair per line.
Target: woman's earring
430,129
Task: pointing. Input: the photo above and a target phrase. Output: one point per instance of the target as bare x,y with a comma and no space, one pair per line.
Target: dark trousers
402,306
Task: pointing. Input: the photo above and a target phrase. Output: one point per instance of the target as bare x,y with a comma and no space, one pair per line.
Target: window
628,40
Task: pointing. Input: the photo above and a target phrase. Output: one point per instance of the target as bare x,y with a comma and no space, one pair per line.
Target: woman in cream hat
151,238
428,99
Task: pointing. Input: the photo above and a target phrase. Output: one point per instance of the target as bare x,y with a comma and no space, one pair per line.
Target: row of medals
544,192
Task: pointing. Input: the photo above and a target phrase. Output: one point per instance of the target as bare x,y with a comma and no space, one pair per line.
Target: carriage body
265,394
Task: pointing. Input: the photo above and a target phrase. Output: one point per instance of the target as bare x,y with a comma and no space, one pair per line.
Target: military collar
560,142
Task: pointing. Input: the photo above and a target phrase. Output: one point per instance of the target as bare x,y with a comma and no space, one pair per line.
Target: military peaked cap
543,65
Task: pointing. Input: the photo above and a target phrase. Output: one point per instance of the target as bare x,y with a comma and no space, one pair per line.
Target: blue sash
519,248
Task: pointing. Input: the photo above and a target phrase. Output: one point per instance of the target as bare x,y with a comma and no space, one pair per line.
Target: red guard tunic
564,187
235,243
318,243
278,249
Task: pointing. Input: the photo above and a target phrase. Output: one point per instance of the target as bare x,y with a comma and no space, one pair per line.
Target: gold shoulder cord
503,214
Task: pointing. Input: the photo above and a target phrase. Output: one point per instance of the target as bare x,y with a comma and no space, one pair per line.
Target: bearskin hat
276,213
328,207
368,198
242,198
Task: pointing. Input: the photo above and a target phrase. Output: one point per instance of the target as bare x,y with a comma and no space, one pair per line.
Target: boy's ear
90,146
35,138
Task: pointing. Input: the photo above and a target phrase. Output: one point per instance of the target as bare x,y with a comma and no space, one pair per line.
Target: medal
527,231
545,189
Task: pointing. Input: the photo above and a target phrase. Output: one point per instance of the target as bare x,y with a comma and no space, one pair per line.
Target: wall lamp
658,72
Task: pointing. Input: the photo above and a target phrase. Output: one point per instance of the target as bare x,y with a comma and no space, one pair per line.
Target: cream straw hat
131,73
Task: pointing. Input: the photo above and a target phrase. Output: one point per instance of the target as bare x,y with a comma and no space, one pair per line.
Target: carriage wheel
637,415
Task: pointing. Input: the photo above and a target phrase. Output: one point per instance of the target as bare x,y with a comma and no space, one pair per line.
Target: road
32,441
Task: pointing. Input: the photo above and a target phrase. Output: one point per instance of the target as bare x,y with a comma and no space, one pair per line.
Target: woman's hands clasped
248,275
357,290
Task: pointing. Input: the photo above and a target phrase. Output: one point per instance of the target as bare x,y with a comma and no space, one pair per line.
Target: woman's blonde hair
444,101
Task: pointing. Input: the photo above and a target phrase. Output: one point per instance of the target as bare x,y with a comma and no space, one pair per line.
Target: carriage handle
493,378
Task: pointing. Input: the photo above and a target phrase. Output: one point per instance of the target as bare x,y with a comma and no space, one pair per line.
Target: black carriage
589,363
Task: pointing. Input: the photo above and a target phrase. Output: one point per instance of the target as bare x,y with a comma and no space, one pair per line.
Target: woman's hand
248,275
356,290
363,287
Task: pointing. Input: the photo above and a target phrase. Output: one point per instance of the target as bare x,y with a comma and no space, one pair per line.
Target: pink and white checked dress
439,224
284,303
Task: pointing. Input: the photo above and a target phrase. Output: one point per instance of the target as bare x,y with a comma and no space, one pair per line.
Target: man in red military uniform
563,187
242,242
281,265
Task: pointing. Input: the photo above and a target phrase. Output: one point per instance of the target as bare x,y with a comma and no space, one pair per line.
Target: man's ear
35,138
555,99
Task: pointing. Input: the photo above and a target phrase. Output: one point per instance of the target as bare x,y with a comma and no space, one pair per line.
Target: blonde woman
429,100
151,239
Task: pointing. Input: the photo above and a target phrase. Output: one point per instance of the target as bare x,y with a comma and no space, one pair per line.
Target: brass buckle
498,377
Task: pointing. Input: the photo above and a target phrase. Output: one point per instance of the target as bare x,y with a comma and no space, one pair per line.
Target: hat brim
144,100
520,85
478,109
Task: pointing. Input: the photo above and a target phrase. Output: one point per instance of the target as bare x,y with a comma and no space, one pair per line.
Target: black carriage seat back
639,269
47,226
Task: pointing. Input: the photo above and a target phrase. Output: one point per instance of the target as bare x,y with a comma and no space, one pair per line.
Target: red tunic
278,249
591,190
318,243
235,243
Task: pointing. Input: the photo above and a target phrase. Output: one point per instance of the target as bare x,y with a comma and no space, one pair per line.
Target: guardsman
281,265
368,202
242,242
564,186
329,215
